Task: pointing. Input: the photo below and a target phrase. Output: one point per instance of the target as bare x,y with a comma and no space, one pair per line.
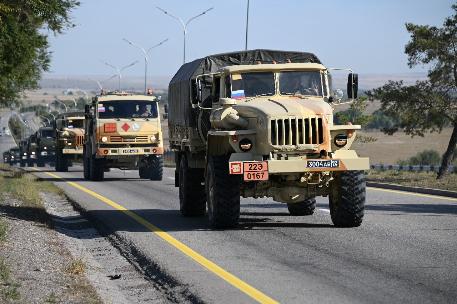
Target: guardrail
416,168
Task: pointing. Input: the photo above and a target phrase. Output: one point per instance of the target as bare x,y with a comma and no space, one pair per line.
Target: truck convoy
123,131
260,124
69,139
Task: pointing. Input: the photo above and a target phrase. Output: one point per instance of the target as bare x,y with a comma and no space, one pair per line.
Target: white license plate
129,151
322,164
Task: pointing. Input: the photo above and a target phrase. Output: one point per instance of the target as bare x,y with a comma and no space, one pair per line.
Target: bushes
424,158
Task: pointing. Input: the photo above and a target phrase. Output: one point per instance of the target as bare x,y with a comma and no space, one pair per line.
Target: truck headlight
153,138
104,139
45,148
340,140
33,152
245,145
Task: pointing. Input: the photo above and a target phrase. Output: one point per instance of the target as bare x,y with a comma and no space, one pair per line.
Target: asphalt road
404,252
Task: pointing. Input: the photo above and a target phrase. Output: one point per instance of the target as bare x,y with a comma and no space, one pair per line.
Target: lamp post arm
195,17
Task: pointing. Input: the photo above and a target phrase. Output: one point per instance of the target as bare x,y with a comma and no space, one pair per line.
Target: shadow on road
433,209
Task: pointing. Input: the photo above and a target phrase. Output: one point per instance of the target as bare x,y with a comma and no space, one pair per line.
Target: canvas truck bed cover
179,89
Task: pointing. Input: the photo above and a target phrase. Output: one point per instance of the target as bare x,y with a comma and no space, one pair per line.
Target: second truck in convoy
260,124
123,131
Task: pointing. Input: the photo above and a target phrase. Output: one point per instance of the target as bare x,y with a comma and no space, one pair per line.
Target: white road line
325,210
169,177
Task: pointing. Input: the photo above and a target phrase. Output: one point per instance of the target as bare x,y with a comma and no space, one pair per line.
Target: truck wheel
302,208
347,199
96,171
22,164
40,163
191,192
156,168
86,167
222,193
61,164
143,172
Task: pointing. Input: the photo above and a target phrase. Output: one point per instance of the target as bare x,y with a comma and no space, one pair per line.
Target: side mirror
353,85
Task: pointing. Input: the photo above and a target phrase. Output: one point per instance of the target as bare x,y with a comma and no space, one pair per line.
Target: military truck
6,157
15,156
23,152
123,131
69,137
32,149
45,146
260,124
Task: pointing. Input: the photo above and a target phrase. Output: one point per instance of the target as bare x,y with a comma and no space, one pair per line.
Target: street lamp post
146,57
49,121
184,25
59,101
119,70
247,27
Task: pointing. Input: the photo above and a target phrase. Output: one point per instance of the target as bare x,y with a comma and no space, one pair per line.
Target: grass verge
414,179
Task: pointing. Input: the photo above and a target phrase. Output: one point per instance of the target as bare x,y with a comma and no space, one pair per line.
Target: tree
24,51
427,106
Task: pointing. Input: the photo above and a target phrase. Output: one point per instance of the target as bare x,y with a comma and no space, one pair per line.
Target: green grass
26,187
414,179
8,289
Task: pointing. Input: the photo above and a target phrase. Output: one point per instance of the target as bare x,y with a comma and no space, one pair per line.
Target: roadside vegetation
414,179
21,197
430,105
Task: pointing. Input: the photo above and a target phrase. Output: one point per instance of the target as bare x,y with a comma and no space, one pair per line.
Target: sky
366,35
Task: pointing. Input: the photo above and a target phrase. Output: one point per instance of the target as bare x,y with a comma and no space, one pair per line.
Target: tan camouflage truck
123,131
69,137
260,124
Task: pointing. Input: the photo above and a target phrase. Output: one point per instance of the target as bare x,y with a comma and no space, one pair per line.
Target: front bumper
73,151
346,160
133,151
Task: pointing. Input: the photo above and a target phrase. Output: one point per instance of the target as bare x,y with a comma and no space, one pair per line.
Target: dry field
389,149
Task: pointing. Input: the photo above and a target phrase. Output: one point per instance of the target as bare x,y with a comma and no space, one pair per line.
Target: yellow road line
211,266
415,194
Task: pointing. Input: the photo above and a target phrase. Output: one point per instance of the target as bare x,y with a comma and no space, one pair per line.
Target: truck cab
123,131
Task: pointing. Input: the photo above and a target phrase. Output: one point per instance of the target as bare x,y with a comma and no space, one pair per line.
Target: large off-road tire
156,168
306,207
40,163
347,198
96,169
222,193
86,164
192,199
143,172
61,164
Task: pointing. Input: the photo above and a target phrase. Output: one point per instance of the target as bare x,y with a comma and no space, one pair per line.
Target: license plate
322,164
129,151
253,171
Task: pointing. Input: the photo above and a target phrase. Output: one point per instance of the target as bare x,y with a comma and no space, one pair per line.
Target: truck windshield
127,109
46,133
253,84
300,83
75,123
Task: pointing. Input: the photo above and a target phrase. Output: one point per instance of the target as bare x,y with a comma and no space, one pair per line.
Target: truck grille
79,140
296,131
120,139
